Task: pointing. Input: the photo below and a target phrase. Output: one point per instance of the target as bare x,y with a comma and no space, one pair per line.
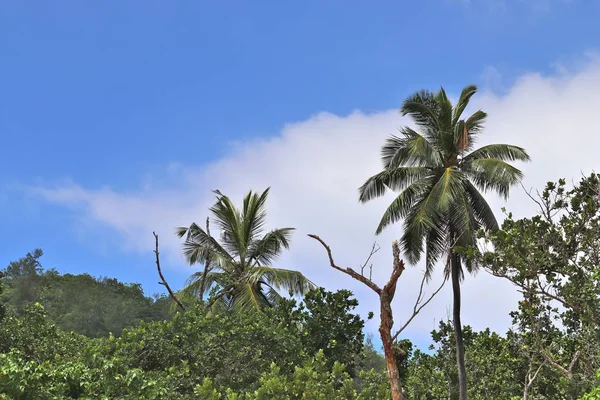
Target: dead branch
374,249
162,277
386,295
418,307
568,372
347,271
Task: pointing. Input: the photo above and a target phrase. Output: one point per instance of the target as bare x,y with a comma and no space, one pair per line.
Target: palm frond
493,174
266,250
463,102
448,187
422,107
462,221
430,214
254,217
392,178
504,152
481,208
403,203
272,296
475,122
436,246
196,289
411,149
200,254
445,110
229,220
421,218
195,236
280,279
248,297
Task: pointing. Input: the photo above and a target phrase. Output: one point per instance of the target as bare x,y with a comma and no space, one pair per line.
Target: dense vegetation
79,303
233,335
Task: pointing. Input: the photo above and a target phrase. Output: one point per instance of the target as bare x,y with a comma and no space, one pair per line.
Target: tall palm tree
238,270
440,176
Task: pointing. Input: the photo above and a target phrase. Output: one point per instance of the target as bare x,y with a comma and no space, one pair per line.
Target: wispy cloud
534,6
315,167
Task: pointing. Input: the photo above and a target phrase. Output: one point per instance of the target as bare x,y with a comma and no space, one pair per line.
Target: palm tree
237,271
440,176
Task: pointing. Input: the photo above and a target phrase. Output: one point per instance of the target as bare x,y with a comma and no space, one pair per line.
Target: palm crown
238,269
439,176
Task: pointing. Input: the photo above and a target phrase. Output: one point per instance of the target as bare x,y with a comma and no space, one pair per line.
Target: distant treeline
81,303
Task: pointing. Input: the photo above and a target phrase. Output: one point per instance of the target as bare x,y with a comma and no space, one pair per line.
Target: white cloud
315,167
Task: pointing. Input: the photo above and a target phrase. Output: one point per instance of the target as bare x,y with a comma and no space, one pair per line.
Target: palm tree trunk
458,333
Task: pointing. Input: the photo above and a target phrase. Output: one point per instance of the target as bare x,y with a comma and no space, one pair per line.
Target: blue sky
109,96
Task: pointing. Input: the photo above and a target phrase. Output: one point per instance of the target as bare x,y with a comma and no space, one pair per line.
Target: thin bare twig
374,249
162,277
417,308
542,292
568,372
545,210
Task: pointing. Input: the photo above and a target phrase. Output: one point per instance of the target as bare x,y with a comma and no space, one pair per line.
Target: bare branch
567,372
574,360
162,277
544,208
417,308
542,292
347,271
374,249
390,287
536,372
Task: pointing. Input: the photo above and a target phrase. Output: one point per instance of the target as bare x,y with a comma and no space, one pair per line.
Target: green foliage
37,338
228,356
554,260
235,348
325,322
237,270
314,380
79,303
38,360
255,355
492,364
594,394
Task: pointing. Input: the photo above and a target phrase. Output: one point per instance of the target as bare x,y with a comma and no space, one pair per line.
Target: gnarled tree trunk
385,330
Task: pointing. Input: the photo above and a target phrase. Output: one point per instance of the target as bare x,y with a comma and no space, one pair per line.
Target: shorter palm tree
237,270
